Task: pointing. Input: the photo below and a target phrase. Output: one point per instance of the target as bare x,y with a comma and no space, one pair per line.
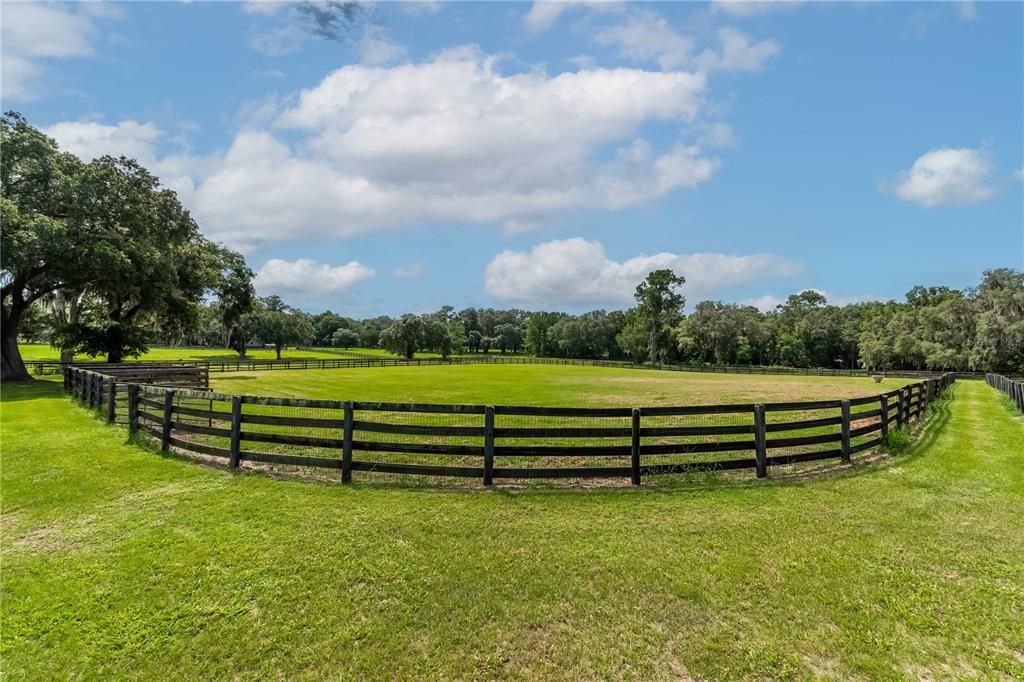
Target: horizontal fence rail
1013,388
172,405
241,365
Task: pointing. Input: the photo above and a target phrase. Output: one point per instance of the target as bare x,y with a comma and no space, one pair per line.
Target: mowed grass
119,562
40,351
543,385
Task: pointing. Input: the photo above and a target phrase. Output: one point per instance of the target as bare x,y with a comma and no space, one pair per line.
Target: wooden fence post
67,379
112,402
884,400
91,390
165,434
236,431
845,431
133,408
346,444
489,445
634,458
760,442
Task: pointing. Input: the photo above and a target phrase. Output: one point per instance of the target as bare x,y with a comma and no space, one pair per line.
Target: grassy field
41,351
543,385
119,562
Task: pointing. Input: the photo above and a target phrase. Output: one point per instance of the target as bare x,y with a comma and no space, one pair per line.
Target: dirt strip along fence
1013,388
52,367
499,441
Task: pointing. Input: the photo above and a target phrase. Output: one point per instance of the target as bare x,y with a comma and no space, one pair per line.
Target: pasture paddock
544,385
500,441
121,563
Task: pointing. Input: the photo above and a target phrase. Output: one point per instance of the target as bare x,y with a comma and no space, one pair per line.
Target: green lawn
543,385
42,351
119,562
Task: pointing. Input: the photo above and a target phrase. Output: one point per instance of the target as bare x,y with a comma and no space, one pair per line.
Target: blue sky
548,155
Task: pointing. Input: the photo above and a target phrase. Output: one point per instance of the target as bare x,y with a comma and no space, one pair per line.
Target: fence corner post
133,408
845,431
112,402
760,442
236,431
165,434
634,452
346,443
884,417
489,445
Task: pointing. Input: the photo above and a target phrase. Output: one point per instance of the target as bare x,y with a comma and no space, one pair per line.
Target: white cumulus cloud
751,8
577,272
647,37
453,139
89,139
34,33
544,13
304,276
947,177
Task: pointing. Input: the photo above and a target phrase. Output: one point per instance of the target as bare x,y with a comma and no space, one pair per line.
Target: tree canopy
105,238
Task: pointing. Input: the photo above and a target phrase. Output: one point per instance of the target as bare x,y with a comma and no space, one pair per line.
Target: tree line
98,259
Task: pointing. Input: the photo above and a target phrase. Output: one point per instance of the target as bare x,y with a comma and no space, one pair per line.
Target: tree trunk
12,367
653,343
277,349
115,356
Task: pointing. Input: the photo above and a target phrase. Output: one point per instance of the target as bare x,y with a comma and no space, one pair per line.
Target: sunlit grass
121,563
545,385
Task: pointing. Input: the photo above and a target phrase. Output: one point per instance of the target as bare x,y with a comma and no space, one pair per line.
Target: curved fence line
492,442
53,367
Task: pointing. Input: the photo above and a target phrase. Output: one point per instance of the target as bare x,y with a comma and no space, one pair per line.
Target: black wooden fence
499,441
1013,388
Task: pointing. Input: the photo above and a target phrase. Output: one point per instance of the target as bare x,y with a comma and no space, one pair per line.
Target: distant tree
509,336
474,340
34,324
344,338
470,323
277,324
660,306
234,291
404,337
999,309
325,324
537,332
457,336
633,338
